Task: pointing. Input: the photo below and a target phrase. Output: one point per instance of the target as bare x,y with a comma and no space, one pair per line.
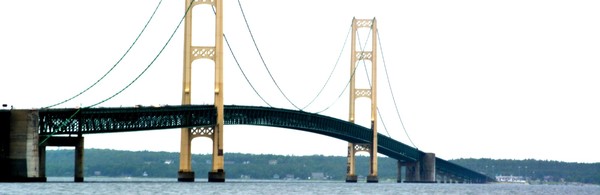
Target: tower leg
185,173
373,178
350,169
218,173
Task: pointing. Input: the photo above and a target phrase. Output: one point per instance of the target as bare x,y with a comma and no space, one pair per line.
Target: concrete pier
413,175
421,171
77,142
20,156
4,144
351,178
428,168
79,160
218,176
186,176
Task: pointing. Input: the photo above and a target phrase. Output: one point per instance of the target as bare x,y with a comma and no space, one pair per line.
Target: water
171,186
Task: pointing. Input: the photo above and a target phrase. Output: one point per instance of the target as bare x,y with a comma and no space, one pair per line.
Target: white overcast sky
513,79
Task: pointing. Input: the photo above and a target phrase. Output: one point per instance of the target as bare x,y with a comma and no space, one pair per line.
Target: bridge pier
428,168
185,173
412,174
452,179
216,176
76,142
186,176
351,178
422,171
441,178
19,154
350,165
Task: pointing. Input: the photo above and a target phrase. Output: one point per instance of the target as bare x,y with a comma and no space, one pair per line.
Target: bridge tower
356,57
214,53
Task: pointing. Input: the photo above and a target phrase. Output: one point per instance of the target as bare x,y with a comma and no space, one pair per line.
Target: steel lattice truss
127,119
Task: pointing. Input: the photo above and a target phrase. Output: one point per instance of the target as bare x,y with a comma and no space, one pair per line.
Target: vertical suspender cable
243,73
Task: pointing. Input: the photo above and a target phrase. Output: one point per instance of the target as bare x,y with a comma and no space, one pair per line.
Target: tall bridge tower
214,53
371,93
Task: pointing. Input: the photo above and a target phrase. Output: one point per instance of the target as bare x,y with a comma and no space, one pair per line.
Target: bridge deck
110,120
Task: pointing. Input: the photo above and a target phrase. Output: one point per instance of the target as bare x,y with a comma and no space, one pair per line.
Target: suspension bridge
27,133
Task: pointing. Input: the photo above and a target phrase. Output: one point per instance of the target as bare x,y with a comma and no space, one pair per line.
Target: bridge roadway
128,119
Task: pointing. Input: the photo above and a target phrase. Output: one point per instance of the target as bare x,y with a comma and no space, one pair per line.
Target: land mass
116,163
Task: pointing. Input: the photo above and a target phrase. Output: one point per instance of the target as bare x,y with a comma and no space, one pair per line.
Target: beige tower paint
192,53
356,57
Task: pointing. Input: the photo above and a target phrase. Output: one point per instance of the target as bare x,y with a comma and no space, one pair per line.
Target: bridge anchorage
25,134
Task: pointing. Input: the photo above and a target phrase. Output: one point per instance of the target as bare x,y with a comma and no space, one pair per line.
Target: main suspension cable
153,60
332,70
391,91
262,59
383,123
117,63
240,67
349,80
341,93
243,73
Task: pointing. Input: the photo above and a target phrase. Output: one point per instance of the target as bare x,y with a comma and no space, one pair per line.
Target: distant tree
114,163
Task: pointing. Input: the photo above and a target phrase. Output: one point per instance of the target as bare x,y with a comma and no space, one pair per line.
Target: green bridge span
128,119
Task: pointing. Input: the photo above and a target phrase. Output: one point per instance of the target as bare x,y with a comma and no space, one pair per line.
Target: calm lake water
171,186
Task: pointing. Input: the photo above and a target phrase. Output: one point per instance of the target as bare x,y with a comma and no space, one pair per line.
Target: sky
514,79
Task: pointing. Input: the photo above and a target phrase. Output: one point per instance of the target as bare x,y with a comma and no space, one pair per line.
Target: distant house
317,175
289,176
242,176
272,162
510,179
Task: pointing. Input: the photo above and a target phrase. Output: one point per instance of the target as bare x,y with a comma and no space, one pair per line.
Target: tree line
116,163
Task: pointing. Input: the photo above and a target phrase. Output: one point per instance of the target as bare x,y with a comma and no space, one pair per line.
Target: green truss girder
127,119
